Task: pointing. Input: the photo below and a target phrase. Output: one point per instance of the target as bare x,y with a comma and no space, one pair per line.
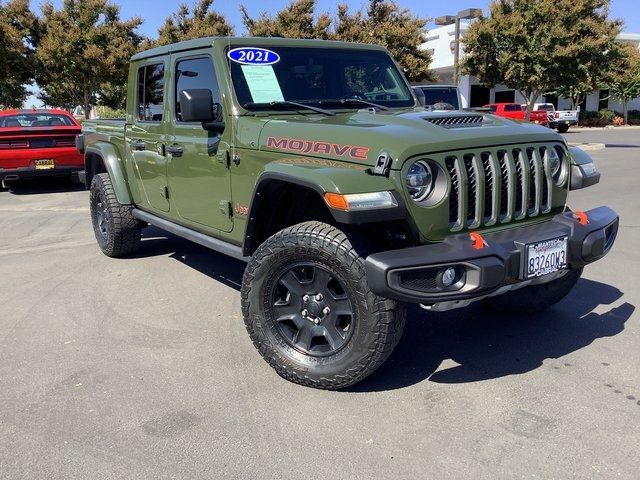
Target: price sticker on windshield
253,56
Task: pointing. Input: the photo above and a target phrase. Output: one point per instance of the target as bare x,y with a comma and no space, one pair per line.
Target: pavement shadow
219,267
620,145
484,344
487,345
42,186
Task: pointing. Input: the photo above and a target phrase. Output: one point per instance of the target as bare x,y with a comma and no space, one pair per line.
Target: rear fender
113,164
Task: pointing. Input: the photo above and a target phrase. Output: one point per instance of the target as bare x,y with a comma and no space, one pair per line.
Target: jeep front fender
334,177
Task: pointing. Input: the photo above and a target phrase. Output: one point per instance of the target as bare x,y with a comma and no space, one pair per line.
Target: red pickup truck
515,111
36,143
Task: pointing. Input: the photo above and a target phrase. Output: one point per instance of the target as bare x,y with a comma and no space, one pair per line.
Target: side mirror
196,105
417,91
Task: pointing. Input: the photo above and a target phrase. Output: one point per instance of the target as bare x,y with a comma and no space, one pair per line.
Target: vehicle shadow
484,344
621,145
488,345
44,186
215,265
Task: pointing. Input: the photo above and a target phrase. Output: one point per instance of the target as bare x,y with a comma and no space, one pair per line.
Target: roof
23,111
434,85
207,42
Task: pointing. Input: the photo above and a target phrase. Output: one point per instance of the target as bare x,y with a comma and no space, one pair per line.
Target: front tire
535,298
309,310
117,231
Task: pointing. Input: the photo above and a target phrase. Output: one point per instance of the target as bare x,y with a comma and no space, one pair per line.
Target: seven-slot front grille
497,186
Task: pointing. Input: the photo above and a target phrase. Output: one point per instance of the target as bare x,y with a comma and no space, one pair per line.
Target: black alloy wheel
311,309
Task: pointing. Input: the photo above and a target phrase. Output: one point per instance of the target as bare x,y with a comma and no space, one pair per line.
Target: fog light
448,277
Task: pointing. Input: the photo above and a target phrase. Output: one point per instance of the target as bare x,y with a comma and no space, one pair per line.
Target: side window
195,73
151,93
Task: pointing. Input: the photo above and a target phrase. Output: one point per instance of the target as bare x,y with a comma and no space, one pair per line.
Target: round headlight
555,159
419,180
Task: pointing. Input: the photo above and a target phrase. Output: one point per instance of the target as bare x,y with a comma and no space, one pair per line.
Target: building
440,41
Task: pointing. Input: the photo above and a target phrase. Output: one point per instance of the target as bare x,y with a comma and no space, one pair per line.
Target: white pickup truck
561,120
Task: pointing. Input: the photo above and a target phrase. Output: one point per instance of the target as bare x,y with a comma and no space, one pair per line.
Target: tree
397,29
84,49
195,22
625,83
540,46
18,38
298,20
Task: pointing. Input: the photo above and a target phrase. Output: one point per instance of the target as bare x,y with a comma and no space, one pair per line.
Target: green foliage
18,38
297,20
606,115
397,29
107,112
383,23
625,82
195,22
84,49
541,46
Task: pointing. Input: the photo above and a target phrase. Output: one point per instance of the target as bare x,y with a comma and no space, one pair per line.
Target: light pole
465,14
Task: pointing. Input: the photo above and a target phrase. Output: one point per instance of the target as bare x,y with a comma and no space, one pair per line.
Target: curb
588,146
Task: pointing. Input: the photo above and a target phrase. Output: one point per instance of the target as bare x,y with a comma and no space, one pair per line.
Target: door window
151,93
195,73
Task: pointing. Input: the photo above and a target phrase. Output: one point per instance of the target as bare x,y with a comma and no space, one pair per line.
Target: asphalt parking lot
141,367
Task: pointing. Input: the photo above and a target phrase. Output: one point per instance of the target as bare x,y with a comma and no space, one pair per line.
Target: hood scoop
456,121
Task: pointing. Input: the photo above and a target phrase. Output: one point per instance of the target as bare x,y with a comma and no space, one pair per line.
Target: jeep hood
361,136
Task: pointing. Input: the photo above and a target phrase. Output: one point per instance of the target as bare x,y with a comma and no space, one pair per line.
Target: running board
189,234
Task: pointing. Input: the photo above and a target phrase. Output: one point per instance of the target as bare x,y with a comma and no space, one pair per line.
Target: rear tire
563,128
535,298
309,310
117,230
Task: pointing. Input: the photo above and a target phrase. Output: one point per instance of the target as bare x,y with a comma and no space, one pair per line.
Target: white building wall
439,41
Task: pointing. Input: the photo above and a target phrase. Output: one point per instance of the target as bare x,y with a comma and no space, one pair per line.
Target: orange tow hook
582,217
477,241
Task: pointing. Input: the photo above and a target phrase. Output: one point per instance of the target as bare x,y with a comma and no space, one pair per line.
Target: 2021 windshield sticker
253,56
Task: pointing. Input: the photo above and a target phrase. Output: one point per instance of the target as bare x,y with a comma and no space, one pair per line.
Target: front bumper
412,274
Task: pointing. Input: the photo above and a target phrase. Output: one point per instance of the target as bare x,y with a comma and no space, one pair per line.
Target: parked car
515,111
312,161
560,120
440,97
38,143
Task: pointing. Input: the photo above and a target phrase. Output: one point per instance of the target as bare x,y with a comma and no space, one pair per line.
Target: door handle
138,145
174,150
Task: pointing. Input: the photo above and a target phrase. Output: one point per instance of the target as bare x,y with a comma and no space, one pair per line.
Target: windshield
442,95
321,77
35,120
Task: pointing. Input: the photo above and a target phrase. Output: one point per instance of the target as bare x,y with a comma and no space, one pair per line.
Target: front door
145,138
198,170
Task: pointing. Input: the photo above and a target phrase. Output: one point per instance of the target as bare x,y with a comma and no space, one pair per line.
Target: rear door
199,177
145,137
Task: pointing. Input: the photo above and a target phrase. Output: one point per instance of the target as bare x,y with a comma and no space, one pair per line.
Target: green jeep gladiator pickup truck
313,162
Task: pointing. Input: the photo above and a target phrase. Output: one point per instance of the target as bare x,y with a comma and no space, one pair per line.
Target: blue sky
154,11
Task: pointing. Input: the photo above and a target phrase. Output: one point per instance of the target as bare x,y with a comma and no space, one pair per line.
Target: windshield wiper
284,103
359,101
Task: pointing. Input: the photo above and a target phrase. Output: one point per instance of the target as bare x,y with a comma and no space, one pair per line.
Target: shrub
607,115
589,118
106,112
618,121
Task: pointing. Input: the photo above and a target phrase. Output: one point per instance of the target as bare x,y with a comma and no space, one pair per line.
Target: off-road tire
563,128
377,325
119,234
535,298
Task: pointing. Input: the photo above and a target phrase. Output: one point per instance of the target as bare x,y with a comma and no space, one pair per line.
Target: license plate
45,164
545,257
